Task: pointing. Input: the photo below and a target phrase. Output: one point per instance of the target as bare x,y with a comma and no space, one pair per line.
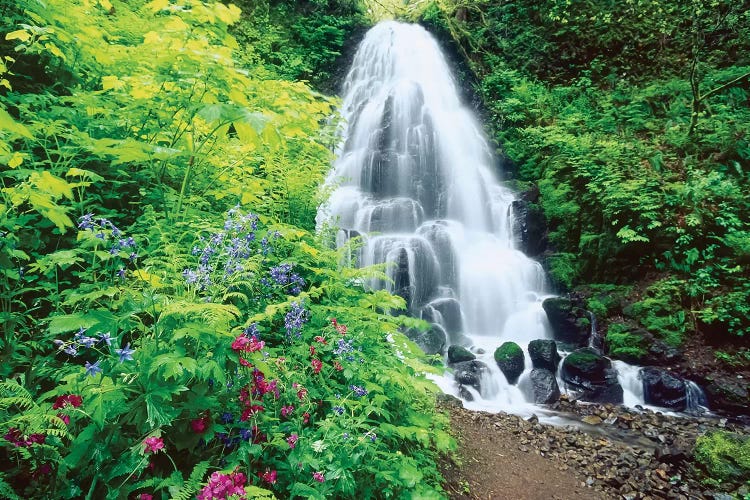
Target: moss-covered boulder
569,322
591,375
638,346
543,354
458,354
509,357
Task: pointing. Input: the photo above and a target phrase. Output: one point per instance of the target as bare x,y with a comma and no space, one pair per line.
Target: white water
414,177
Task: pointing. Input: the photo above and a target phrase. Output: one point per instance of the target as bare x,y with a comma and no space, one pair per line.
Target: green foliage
623,344
605,299
724,457
147,340
662,312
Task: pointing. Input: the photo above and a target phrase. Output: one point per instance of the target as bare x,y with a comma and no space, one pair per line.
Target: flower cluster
338,326
153,444
106,231
358,391
65,400
295,319
226,250
15,436
282,275
222,486
243,343
81,340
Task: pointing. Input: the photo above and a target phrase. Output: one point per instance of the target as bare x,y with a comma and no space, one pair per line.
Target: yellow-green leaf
22,35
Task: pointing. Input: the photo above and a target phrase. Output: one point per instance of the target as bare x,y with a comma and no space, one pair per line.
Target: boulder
544,386
661,388
458,354
570,324
432,341
543,354
509,357
470,373
728,394
587,372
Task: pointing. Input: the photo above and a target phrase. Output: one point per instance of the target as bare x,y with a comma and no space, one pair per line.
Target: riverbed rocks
615,451
569,322
591,376
510,359
664,389
543,354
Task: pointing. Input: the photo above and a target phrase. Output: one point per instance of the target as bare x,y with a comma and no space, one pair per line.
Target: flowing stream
415,179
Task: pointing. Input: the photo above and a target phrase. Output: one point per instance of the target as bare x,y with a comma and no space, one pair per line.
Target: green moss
724,457
582,359
661,311
623,343
507,352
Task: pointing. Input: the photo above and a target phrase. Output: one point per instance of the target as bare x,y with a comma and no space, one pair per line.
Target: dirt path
493,464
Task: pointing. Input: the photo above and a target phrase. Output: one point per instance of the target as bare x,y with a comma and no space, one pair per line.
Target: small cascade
629,377
696,401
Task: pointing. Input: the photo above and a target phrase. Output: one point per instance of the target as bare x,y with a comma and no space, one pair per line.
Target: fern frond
6,491
194,482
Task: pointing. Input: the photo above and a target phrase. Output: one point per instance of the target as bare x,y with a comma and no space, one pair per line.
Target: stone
510,359
591,374
458,354
543,354
570,324
529,226
661,388
470,373
431,342
544,386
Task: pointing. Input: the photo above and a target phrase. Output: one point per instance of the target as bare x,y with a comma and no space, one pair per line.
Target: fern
194,482
6,491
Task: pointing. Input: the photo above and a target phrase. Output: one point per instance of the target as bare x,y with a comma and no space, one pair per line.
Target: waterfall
415,178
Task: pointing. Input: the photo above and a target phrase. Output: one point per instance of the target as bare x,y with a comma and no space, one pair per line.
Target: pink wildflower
319,477
287,410
153,444
199,425
316,365
292,440
268,476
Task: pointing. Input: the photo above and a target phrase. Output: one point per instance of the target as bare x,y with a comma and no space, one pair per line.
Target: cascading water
415,181
414,178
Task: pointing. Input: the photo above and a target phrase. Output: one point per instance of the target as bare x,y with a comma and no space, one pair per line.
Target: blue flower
106,338
126,353
71,350
358,391
92,369
88,342
86,221
121,273
338,410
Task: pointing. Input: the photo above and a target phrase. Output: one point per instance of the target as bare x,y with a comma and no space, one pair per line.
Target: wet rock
431,342
570,324
728,394
544,386
529,224
591,374
543,354
661,388
458,354
470,373
509,357
445,311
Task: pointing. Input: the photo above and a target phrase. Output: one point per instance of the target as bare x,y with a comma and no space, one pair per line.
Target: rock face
458,354
543,354
470,373
591,374
728,394
544,386
530,226
509,357
432,341
570,323
661,388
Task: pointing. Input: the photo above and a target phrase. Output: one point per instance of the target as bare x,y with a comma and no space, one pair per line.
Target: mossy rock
510,359
458,354
724,457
